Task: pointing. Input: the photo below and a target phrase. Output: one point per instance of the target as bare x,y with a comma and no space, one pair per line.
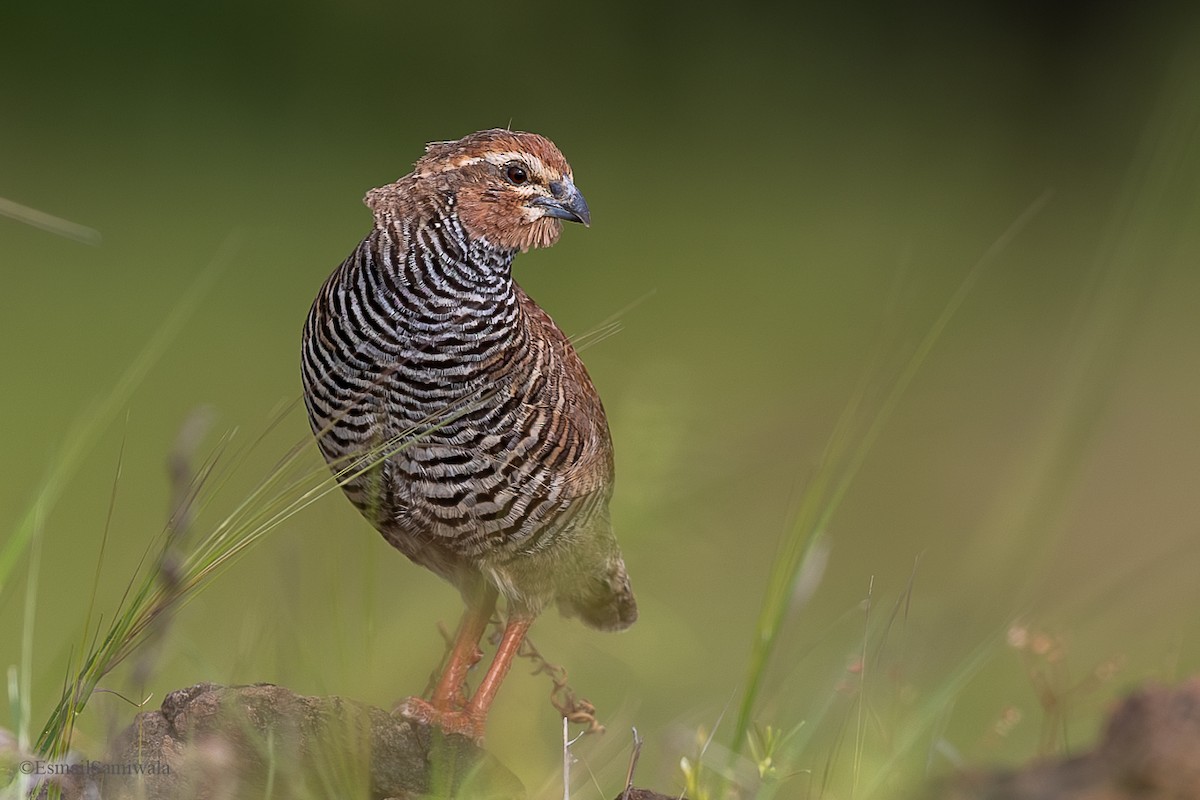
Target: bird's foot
457,722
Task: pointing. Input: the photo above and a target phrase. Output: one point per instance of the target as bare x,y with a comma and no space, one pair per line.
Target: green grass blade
824,494
86,430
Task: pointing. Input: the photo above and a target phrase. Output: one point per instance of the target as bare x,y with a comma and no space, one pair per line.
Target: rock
645,794
211,742
1150,751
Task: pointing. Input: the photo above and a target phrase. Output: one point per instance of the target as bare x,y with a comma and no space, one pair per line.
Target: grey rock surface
213,742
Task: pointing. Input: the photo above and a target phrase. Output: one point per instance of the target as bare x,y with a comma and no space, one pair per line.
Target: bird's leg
469,721
445,708
510,643
447,695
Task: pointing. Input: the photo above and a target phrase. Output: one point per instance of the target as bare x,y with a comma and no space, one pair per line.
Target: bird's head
511,188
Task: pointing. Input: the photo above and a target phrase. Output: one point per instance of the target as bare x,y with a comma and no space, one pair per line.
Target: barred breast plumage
462,422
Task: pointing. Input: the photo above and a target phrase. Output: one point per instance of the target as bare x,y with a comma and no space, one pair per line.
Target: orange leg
447,695
510,643
469,721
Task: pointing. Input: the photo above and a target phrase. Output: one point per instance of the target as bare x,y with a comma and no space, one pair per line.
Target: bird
457,416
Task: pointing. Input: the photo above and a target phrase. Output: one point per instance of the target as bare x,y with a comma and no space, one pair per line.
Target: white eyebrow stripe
500,159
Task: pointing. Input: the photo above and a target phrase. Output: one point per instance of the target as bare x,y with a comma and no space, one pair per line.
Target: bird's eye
516,174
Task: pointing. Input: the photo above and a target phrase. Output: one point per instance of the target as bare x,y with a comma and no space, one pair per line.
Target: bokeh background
783,202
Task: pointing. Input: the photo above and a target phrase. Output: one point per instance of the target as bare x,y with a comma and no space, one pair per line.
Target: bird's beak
567,203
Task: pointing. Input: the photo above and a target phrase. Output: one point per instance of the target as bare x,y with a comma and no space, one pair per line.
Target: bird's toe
450,722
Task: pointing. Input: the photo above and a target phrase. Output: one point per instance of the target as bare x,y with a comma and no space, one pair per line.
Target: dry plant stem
575,709
566,761
634,755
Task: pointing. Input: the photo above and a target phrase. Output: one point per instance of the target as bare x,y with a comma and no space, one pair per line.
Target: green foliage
844,455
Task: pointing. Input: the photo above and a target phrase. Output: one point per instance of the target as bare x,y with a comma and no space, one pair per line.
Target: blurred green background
769,188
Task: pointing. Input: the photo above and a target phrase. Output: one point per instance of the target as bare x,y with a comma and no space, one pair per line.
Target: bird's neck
443,268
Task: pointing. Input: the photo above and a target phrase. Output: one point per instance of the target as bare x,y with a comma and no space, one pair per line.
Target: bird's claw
450,722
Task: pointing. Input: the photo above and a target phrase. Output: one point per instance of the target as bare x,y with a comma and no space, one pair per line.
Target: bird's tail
604,600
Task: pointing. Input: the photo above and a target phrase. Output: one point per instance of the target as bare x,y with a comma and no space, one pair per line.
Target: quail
457,416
